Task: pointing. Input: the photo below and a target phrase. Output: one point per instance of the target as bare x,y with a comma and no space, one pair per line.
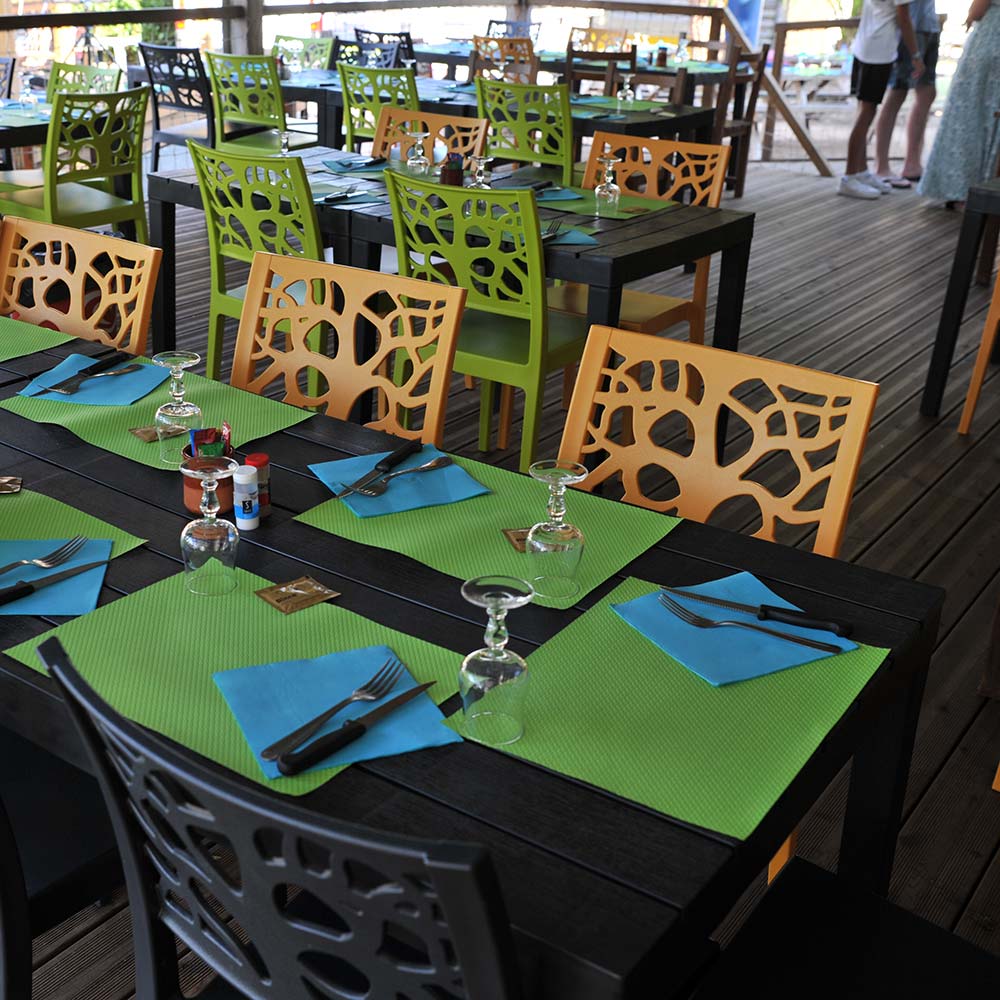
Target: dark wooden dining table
607,898
626,250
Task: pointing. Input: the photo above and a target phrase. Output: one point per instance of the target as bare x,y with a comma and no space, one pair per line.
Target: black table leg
331,123
162,234
879,774
732,287
951,314
604,305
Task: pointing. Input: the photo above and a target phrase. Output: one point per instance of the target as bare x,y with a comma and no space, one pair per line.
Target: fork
698,621
376,687
552,230
377,488
53,559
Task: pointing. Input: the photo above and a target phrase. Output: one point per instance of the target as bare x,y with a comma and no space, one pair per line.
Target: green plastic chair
251,203
93,141
75,78
528,123
309,53
246,96
366,90
489,243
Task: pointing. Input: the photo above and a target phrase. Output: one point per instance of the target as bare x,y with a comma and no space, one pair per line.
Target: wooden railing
781,30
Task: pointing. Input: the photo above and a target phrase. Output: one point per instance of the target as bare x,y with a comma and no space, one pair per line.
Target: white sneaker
867,177
852,186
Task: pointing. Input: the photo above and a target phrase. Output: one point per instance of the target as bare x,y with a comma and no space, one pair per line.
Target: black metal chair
57,852
375,55
7,66
812,935
402,38
280,901
514,29
178,81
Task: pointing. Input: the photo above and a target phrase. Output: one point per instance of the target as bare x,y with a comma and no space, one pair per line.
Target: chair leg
742,162
532,418
988,253
141,229
486,389
470,382
982,361
155,157
784,854
996,781
506,416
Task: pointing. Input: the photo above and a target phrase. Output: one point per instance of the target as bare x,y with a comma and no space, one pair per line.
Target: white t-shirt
878,37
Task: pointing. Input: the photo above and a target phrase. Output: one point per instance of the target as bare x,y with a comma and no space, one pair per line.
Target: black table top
606,897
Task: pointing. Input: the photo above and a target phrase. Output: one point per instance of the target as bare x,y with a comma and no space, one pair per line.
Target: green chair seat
195,129
487,342
10,180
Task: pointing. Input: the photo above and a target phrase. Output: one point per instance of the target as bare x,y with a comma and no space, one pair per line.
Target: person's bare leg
883,129
923,98
857,141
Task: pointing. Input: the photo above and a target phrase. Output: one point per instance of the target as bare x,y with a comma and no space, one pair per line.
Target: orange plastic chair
982,360
416,325
645,409
655,168
86,284
509,58
457,135
996,781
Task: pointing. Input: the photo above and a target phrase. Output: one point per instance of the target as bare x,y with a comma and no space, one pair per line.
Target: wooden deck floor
850,287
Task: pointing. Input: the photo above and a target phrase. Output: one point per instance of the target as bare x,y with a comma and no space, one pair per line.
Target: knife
353,729
768,612
72,383
387,464
22,588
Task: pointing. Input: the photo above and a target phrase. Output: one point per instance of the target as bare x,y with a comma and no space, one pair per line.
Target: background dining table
607,898
625,249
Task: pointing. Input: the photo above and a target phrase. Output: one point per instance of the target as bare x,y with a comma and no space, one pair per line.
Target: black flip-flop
911,177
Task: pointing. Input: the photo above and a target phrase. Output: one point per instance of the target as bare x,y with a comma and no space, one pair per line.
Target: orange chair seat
641,312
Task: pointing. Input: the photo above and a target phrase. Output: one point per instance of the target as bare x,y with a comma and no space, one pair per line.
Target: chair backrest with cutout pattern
290,301
402,39
305,53
504,58
661,168
7,67
255,203
246,90
280,901
78,78
451,133
528,122
514,29
367,90
645,410
178,80
86,284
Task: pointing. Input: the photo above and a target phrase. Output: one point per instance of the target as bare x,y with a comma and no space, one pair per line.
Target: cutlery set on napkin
117,380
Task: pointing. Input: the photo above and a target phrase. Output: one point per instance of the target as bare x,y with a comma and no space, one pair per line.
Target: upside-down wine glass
481,180
493,680
607,194
416,160
626,95
208,544
554,547
175,418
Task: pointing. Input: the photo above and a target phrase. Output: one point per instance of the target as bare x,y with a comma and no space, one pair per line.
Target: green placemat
466,539
34,515
12,118
162,678
610,708
18,339
107,427
629,205
613,103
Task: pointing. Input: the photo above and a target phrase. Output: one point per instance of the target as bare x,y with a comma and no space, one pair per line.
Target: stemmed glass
493,680
554,547
208,544
607,194
27,95
409,63
173,419
626,95
416,160
481,180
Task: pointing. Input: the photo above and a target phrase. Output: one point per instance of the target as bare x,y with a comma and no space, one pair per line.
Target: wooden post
767,143
239,34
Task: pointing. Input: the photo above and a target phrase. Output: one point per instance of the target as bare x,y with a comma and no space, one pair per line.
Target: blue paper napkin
558,194
274,699
76,596
587,99
573,237
116,390
724,655
423,489
343,167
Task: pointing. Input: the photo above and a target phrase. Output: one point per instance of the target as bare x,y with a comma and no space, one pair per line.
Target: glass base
496,729
555,588
213,579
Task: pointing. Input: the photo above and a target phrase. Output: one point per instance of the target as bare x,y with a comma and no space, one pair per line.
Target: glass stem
177,384
209,498
496,628
557,504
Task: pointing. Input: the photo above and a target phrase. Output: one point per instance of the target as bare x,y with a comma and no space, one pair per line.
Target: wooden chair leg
982,361
470,382
784,854
996,781
988,252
